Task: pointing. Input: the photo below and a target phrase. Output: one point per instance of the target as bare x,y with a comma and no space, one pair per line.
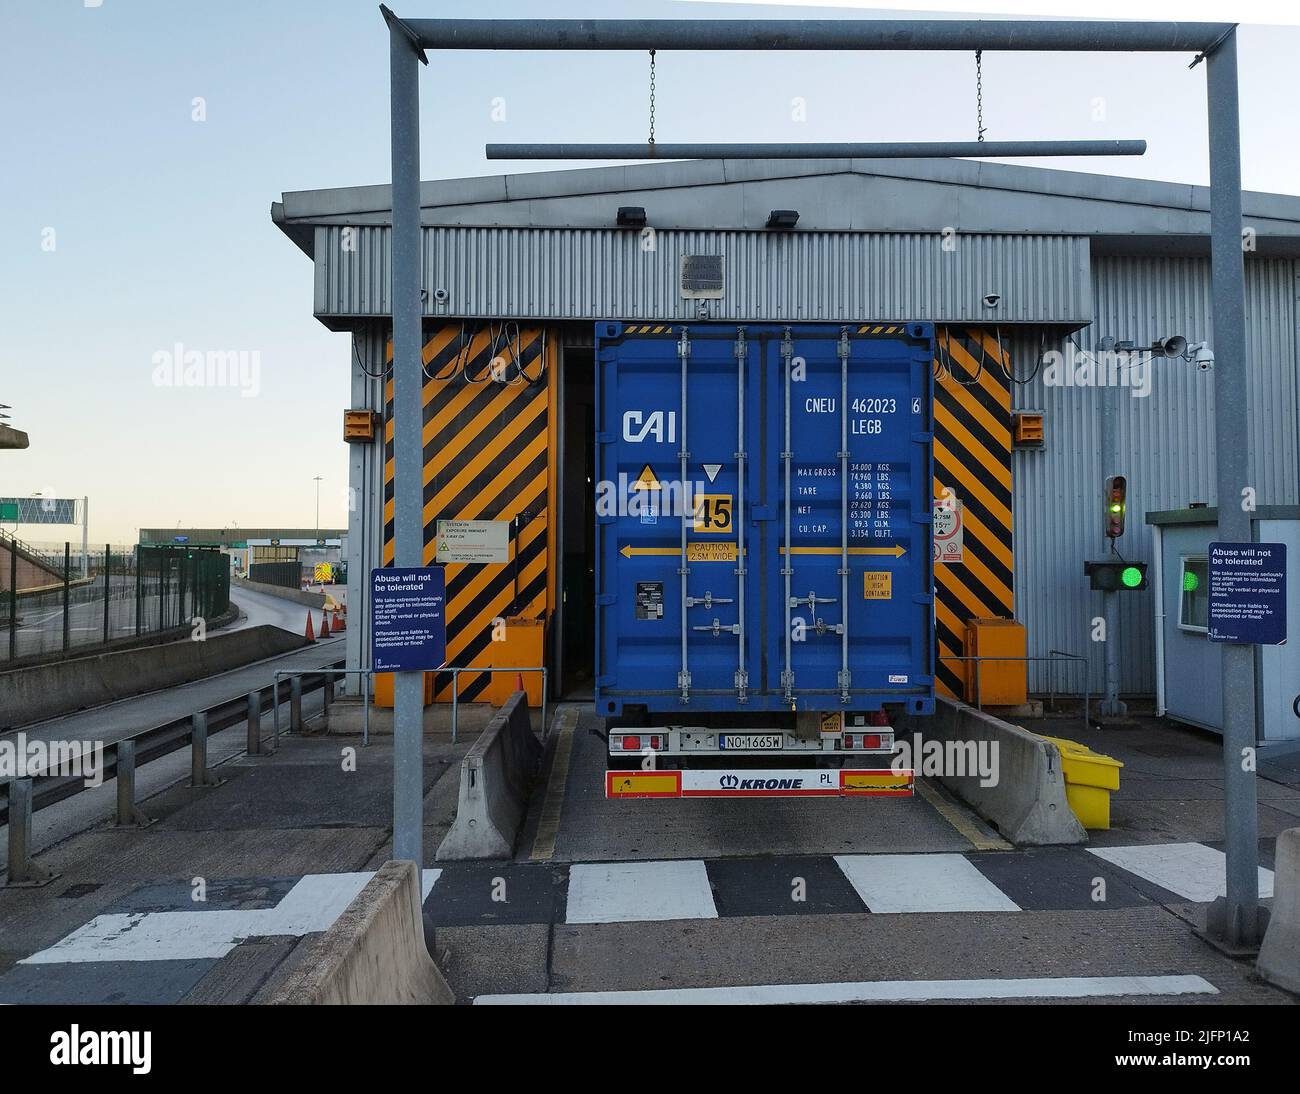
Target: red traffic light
1116,505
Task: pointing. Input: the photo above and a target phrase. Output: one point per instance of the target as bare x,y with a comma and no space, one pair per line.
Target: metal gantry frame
1215,43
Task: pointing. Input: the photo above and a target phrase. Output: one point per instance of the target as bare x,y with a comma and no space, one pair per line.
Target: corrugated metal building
530,261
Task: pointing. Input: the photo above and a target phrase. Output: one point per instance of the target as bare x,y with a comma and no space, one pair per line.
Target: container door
678,611
853,475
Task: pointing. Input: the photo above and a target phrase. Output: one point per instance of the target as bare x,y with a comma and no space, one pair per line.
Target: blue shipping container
723,451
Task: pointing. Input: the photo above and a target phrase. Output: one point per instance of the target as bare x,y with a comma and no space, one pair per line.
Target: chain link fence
48,608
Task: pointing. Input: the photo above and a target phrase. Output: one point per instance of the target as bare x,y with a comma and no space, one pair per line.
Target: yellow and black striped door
489,395
972,463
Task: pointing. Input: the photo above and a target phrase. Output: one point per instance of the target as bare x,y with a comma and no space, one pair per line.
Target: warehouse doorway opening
577,531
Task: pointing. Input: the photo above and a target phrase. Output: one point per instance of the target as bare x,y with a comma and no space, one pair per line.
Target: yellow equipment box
523,646
1089,779
996,683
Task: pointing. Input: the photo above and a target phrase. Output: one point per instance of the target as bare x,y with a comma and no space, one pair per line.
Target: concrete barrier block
374,953
1027,802
1279,956
496,778
38,692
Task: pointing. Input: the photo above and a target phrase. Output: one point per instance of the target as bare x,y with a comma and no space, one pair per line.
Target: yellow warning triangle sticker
646,480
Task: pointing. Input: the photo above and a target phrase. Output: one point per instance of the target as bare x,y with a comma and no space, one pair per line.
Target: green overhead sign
9,510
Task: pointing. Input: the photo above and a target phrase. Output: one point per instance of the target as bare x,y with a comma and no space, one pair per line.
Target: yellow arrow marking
628,551
898,550
697,551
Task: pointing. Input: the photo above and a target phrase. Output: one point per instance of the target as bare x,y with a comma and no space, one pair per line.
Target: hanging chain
979,95
652,96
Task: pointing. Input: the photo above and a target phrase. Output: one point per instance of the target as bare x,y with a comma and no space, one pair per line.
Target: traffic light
1112,576
1116,504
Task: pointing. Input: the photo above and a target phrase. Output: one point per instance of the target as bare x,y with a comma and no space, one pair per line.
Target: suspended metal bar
886,150
818,34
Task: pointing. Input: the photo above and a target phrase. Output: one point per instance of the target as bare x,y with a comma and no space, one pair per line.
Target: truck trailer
764,553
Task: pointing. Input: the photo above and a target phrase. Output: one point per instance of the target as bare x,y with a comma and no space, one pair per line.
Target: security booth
1189,679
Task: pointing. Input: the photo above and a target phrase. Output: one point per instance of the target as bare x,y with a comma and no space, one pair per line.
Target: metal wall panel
1165,439
561,273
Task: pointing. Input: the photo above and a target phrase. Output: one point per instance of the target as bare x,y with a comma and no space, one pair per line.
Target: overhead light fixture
631,216
783,219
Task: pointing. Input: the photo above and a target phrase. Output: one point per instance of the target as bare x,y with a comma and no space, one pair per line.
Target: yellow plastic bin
1089,779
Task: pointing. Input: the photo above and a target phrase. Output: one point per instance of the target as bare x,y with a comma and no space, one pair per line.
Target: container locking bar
845,677
717,628
812,600
707,600
787,567
684,676
742,677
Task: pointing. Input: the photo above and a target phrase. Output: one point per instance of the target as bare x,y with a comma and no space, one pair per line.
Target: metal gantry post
405,57
1240,925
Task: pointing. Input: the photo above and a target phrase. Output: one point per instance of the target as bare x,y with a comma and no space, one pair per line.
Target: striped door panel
972,458
487,456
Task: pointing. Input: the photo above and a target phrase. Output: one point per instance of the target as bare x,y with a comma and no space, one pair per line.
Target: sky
145,140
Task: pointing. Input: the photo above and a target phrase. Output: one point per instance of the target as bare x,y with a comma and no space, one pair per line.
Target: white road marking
312,905
880,991
922,883
1191,870
631,892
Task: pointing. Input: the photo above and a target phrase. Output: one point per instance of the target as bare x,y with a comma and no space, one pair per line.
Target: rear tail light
873,741
878,718
635,742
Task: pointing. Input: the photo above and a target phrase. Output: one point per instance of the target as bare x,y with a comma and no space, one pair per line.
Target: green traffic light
1191,582
1131,576
1117,508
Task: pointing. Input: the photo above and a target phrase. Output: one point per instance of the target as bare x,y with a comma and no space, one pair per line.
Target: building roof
230,536
1121,215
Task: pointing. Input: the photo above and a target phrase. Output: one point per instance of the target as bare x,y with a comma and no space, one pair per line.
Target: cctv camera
992,300
1201,356
440,296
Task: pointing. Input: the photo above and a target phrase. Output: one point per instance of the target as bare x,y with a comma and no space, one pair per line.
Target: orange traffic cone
324,624
339,623
519,681
309,633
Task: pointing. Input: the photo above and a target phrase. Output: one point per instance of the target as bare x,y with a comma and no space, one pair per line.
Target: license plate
750,742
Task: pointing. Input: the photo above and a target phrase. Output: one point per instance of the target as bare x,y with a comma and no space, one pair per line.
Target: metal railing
367,688
1053,658
29,793
367,680
455,701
